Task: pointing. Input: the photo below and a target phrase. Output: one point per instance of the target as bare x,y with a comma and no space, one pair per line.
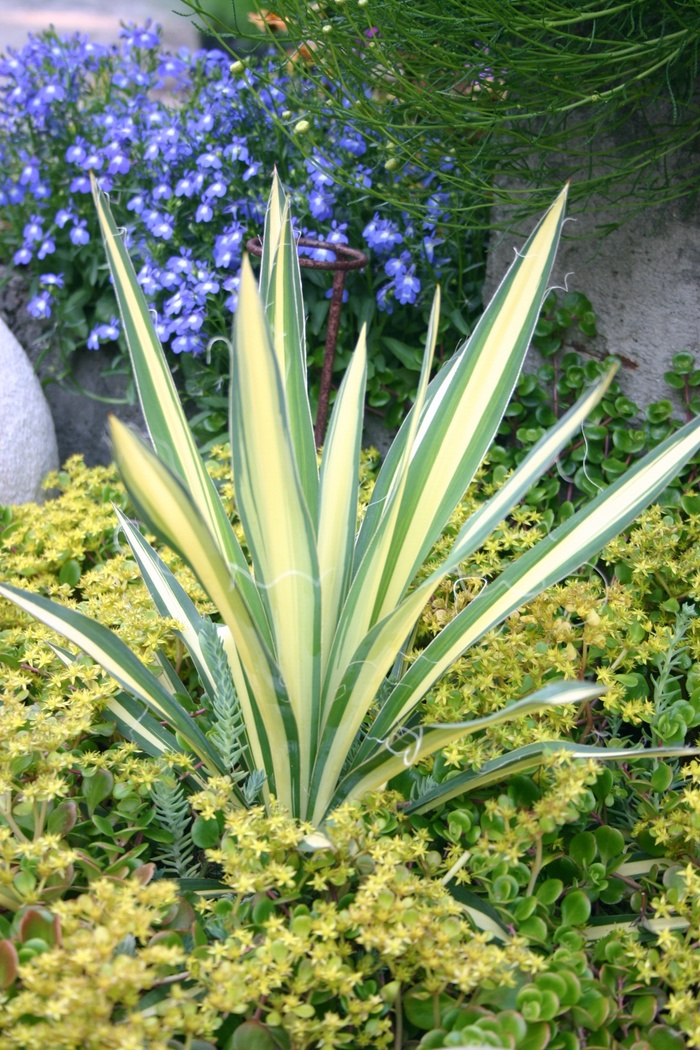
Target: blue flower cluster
185,148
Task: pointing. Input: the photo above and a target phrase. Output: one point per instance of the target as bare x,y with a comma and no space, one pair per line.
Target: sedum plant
312,698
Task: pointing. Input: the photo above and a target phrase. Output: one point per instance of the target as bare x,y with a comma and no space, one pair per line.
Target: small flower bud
392,164
327,28
301,127
236,67
286,114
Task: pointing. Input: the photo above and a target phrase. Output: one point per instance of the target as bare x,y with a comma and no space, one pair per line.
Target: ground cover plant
186,148
614,843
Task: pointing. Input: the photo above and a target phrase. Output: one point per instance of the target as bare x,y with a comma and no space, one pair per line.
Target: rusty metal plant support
345,259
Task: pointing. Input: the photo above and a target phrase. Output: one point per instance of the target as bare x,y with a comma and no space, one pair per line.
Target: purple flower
29,173
102,333
237,150
79,234
148,280
204,213
47,247
231,285
406,288
162,227
141,36
430,243
206,284
209,160
395,266
22,256
185,186
119,164
81,184
215,189
181,263
52,279
186,344
40,305
33,230
321,204
252,169
77,152
91,160
227,247
382,234
316,168
51,93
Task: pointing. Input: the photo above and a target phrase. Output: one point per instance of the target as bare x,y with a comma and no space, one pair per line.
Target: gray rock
28,449
82,404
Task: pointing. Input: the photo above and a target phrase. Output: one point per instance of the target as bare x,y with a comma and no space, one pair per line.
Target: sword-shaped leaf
359,611
274,514
164,504
530,757
355,695
392,756
280,291
164,415
462,412
111,653
169,597
562,551
338,494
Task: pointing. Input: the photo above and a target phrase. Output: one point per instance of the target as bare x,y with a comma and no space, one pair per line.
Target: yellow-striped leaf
275,516
111,653
165,418
166,507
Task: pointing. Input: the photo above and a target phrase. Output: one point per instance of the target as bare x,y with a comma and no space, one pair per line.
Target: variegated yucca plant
310,698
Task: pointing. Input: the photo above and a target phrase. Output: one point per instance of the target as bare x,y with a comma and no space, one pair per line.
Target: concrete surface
643,281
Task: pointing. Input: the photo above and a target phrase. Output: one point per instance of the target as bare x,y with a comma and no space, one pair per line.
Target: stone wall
643,281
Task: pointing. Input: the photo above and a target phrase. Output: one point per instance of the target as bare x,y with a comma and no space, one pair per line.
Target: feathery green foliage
506,100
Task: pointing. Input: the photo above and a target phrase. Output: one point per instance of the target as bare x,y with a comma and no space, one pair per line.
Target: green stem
536,867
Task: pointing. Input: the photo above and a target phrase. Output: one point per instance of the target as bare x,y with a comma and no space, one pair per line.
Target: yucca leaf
280,289
165,418
462,412
562,551
165,506
275,516
529,757
111,653
371,661
273,228
392,755
358,613
169,598
538,460
134,723
338,494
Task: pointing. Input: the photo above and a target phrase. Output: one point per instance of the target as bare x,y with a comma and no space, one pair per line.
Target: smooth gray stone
28,449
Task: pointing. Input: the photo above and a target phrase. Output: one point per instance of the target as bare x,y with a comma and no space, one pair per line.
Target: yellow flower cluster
372,908
83,993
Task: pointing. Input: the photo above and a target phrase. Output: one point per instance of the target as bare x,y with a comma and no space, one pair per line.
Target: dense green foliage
605,93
